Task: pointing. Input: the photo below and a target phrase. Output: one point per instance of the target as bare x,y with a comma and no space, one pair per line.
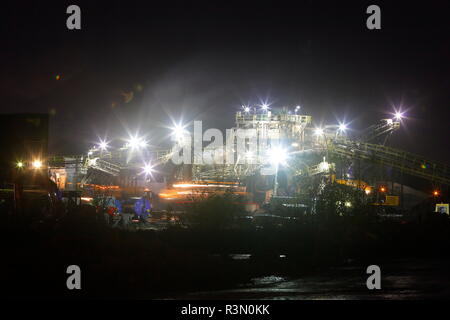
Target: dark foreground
401,280
294,259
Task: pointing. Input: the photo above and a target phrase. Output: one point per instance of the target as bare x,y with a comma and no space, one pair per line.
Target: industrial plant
191,151
280,154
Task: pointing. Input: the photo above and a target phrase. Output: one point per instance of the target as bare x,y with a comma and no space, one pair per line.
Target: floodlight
278,156
103,145
318,131
148,169
343,127
37,164
136,142
398,116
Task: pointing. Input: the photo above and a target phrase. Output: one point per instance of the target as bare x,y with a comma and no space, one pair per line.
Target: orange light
37,164
435,193
383,189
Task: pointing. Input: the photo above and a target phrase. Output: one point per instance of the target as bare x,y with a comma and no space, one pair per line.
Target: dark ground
318,260
402,279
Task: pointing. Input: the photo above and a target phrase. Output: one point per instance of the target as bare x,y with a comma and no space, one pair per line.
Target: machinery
286,148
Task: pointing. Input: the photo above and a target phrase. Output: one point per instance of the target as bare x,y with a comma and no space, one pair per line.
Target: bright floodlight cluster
136,142
278,155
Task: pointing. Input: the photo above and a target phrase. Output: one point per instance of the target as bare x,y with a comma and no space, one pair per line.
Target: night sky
191,60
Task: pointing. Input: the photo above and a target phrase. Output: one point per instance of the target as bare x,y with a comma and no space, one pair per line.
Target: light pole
275,186
277,156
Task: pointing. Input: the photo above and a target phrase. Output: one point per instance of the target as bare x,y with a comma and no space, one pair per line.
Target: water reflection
406,279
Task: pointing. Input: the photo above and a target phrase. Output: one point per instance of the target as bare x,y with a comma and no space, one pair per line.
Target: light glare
103,145
278,156
136,142
148,169
398,115
37,164
318,131
178,131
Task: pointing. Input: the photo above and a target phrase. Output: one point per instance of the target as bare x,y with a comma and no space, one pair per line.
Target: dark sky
195,60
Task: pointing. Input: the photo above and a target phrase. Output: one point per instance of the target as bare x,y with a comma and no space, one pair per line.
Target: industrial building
287,148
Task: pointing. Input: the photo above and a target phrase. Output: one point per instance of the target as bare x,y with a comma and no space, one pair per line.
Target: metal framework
406,162
384,127
292,128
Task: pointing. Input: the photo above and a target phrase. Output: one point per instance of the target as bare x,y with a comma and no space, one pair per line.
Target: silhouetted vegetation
218,211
